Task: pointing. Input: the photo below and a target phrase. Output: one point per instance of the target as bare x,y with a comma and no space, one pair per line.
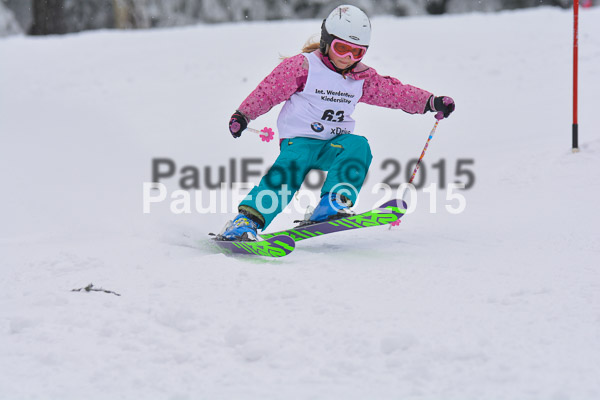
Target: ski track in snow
499,302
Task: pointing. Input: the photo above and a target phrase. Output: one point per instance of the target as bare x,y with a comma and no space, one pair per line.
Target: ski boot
242,228
331,206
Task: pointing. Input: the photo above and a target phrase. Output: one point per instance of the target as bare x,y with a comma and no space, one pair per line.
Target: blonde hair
312,44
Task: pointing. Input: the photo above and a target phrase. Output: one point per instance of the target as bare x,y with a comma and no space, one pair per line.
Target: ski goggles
343,49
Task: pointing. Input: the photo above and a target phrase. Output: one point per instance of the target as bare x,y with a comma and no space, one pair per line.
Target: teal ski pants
345,157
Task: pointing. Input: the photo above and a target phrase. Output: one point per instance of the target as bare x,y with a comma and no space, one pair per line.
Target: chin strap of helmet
338,70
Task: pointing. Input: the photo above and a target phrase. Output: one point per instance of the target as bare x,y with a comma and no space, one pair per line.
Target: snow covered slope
501,301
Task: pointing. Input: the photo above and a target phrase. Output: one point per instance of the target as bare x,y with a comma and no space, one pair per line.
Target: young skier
320,87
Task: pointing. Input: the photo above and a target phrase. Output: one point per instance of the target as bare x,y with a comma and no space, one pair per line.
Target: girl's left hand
444,105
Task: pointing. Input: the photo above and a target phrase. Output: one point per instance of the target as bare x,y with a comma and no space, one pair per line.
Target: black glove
444,105
237,124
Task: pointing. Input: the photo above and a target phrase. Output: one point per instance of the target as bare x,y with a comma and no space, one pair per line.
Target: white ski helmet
348,23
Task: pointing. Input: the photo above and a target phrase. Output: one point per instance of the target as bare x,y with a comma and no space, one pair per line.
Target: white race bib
324,108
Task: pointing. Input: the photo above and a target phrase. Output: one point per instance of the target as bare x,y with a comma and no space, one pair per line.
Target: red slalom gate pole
575,68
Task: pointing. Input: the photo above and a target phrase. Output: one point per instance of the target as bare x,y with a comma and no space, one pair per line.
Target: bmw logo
317,127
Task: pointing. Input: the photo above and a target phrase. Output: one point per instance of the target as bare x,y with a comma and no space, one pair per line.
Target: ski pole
412,178
266,134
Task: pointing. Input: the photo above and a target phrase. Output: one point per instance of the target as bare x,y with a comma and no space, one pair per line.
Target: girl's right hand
237,124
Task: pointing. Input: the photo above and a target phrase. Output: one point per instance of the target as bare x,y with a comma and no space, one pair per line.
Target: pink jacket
290,77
